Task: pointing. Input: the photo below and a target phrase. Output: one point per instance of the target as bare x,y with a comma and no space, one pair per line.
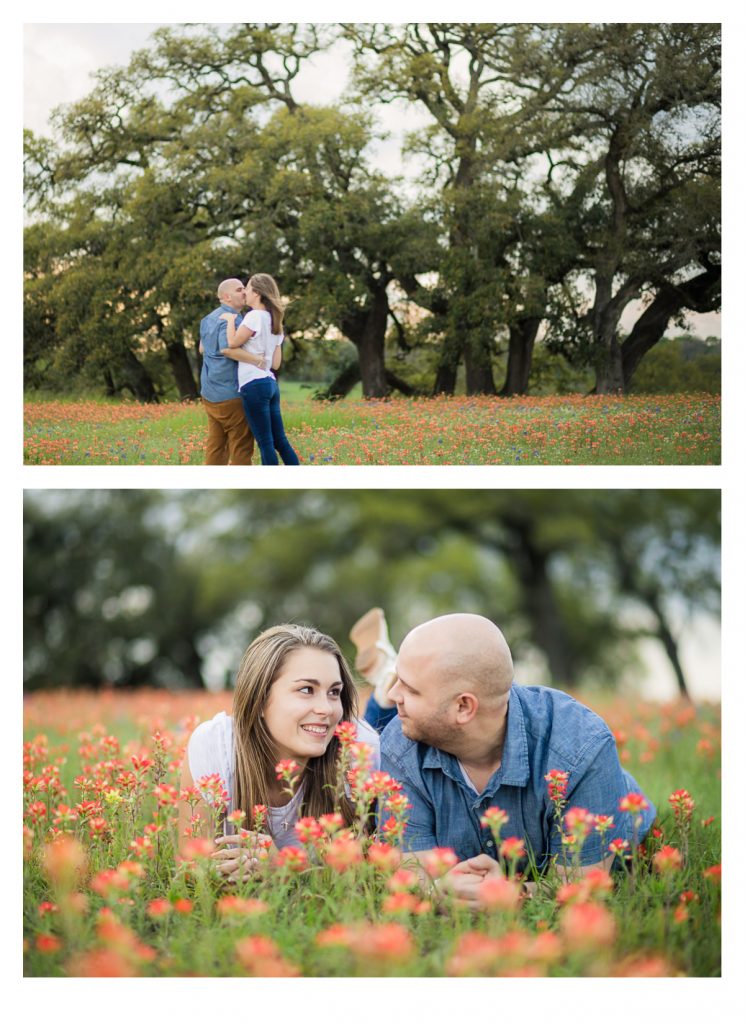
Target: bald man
463,737
229,438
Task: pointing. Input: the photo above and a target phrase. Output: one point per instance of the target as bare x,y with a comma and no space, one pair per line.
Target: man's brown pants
229,438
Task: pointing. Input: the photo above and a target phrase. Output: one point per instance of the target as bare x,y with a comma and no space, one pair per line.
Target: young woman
260,334
292,689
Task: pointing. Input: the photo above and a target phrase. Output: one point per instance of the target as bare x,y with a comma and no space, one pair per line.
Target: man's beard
434,732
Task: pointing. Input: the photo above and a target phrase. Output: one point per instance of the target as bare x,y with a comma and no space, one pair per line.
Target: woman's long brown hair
255,753
267,288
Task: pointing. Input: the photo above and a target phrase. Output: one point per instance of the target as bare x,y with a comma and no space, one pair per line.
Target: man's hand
463,882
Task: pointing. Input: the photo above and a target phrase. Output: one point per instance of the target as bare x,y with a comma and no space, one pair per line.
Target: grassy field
104,893
560,430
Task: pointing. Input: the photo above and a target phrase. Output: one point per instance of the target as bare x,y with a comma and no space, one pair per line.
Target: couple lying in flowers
455,752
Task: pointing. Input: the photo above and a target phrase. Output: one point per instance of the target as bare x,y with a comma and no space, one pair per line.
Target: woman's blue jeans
261,406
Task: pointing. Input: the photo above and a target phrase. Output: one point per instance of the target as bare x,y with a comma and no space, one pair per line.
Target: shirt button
489,842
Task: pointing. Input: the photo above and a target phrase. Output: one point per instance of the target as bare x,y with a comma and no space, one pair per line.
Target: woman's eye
335,693
306,689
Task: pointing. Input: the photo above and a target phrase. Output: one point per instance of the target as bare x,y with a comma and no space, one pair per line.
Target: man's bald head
227,285
462,652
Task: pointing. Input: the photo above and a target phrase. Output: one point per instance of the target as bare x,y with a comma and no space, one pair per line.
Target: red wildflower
633,803
101,963
497,893
512,848
64,860
331,823
579,822
159,907
261,958
309,830
667,860
238,906
494,818
342,853
439,860
346,733
585,926
557,784
389,942
402,880
401,903
293,858
384,857
682,804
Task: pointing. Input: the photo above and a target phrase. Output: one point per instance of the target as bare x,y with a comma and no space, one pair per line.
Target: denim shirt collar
514,769
229,309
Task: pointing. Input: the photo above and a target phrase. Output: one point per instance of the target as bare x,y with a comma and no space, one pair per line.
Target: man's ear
467,704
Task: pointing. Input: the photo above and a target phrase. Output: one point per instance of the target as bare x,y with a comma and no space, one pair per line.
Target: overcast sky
59,60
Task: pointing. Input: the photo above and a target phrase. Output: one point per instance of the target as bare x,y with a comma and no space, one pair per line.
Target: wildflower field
106,894
557,430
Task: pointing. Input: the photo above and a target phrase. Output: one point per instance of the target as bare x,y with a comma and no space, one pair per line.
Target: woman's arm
236,336
277,358
242,356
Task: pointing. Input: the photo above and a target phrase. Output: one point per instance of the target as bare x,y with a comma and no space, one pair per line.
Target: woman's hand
228,316
240,855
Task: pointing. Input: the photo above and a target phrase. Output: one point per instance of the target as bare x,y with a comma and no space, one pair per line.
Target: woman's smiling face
304,704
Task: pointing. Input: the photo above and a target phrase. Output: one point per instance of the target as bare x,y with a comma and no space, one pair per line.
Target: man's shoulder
212,316
560,720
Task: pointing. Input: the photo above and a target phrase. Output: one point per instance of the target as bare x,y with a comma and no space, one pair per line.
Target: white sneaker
376,657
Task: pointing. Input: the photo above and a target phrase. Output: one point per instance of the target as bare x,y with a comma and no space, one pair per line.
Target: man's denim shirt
219,374
546,729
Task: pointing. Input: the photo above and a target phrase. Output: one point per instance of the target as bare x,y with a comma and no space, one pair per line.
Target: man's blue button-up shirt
219,381
546,729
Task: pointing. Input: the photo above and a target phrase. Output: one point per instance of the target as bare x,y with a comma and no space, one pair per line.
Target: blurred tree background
167,588
569,174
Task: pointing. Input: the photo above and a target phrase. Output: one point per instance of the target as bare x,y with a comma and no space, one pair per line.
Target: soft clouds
59,61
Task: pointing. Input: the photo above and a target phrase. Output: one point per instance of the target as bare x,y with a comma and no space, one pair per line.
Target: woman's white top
211,749
262,343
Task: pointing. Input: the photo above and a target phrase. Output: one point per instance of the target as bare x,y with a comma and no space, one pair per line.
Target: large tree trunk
343,383
539,602
181,368
649,594
604,317
701,294
479,373
608,365
366,329
134,377
447,368
520,356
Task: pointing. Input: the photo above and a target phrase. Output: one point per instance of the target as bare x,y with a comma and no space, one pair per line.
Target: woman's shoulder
366,734
210,747
257,318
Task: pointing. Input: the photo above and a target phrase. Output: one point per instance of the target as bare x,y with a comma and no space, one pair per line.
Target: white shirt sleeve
252,320
366,734
210,750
